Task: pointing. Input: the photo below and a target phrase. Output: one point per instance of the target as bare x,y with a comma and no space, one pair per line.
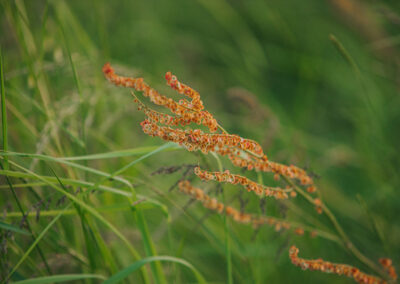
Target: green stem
3,110
93,212
27,223
150,249
345,239
228,252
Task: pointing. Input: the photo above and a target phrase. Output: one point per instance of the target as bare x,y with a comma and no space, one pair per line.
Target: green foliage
314,83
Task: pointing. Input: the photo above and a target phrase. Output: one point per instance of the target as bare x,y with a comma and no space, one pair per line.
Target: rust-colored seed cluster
181,88
387,265
328,267
182,109
264,165
236,215
318,205
250,185
242,152
194,140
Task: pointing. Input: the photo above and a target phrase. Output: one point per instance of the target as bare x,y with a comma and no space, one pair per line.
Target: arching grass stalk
228,252
92,211
3,110
345,239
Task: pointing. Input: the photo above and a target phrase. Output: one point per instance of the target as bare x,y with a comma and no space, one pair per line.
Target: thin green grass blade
124,168
136,265
92,211
30,263
33,245
86,207
73,182
27,42
66,15
60,278
148,243
21,209
10,227
104,249
74,165
119,154
3,109
374,222
159,149
76,79
150,248
143,204
90,241
112,176
228,252
346,55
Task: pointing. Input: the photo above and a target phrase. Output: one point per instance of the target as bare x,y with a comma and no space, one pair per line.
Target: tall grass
269,71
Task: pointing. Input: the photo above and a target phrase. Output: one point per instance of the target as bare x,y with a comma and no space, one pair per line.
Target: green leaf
119,154
3,108
149,203
34,244
88,208
9,227
74,182
116,278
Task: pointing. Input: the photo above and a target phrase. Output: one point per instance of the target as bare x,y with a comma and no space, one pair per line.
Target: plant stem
3,110
345,239
226,226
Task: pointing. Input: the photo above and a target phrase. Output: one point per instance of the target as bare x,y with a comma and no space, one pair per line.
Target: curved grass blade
228,251
3,109
116,278
10,227
119,154
112,176
33,245
58,160
92,211
60,278
27,222
73,182
144,203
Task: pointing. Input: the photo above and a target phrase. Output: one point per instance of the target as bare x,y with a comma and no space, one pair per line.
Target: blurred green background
315,82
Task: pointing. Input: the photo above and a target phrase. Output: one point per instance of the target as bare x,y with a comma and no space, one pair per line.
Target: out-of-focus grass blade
9,227
3,109
33,245
91,170
149,203
342,50
74,182
145,204
37,240
74,165
119,154
60,278
136,265
228,251
158,149
93,212
76,79
66,15
373,221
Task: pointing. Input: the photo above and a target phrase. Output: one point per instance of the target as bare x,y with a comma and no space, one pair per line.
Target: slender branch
345,239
